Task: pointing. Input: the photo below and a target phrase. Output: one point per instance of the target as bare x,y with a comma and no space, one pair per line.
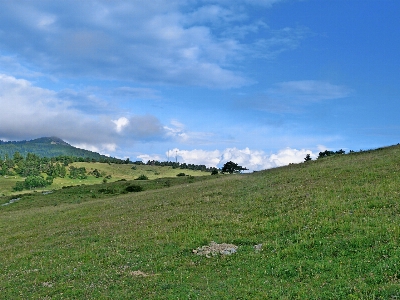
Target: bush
96,173
32,182
181,174
77,173
134,188
214,172
142,177
19,186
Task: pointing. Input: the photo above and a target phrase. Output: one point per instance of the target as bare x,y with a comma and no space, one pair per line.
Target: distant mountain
46,147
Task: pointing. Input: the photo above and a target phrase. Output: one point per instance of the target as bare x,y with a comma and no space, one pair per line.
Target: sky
258,82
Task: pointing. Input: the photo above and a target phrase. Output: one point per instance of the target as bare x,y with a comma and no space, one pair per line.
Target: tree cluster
175,165
32,182
77,173
330,153
231,167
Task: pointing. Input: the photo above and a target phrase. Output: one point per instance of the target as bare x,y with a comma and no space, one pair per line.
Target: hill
46,147
325,229
111,172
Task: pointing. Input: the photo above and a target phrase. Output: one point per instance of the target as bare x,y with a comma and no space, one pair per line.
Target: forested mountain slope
46,147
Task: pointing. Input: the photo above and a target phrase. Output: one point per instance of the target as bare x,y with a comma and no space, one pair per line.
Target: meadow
114,171
325,229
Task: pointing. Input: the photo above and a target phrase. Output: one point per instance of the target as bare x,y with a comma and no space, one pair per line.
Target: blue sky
259,82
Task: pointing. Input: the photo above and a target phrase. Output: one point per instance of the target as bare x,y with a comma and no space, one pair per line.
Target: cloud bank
28,111
195,43
254,160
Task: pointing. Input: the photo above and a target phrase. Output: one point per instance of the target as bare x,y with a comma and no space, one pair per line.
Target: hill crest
46,147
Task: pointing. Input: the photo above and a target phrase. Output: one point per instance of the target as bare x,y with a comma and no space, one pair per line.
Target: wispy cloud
143,41
136,93
292,96
178,132
310,90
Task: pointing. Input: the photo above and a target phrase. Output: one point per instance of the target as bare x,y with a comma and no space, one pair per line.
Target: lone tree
231,167
308,157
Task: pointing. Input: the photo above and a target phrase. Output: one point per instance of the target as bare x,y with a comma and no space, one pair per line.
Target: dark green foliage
142,177
77,173
134,188
17,157
56,170
329,153
175,165
19,186
32,182
307,158
231,167
53,147
96,173
214,171
181,174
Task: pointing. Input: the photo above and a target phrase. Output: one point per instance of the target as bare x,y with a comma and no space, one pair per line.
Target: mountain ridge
46,147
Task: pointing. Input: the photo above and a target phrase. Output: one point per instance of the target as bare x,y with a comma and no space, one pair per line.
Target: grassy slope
329,229
117,172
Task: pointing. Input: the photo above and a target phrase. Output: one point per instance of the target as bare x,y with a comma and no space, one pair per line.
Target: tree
214,171
307,158
17,157
77,173
32,182
231,167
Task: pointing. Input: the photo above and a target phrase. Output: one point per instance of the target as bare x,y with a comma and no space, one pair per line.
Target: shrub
134,188
142,177
77,173
181,174
33,182
214,172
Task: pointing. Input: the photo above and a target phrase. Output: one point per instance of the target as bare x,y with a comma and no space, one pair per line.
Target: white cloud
170,42
146,157
199,157
254,160
28,111
121,123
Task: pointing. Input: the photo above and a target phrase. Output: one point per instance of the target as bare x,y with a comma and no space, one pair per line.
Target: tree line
176,165
33,167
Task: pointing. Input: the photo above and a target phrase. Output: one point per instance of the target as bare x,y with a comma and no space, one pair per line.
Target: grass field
117,172
329,229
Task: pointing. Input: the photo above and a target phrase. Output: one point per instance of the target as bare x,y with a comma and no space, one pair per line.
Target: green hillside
112,172
325,229
46,147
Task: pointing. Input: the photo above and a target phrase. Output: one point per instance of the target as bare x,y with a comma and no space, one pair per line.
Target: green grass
329,229
117,172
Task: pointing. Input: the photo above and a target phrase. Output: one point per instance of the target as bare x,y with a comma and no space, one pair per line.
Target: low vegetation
323,229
